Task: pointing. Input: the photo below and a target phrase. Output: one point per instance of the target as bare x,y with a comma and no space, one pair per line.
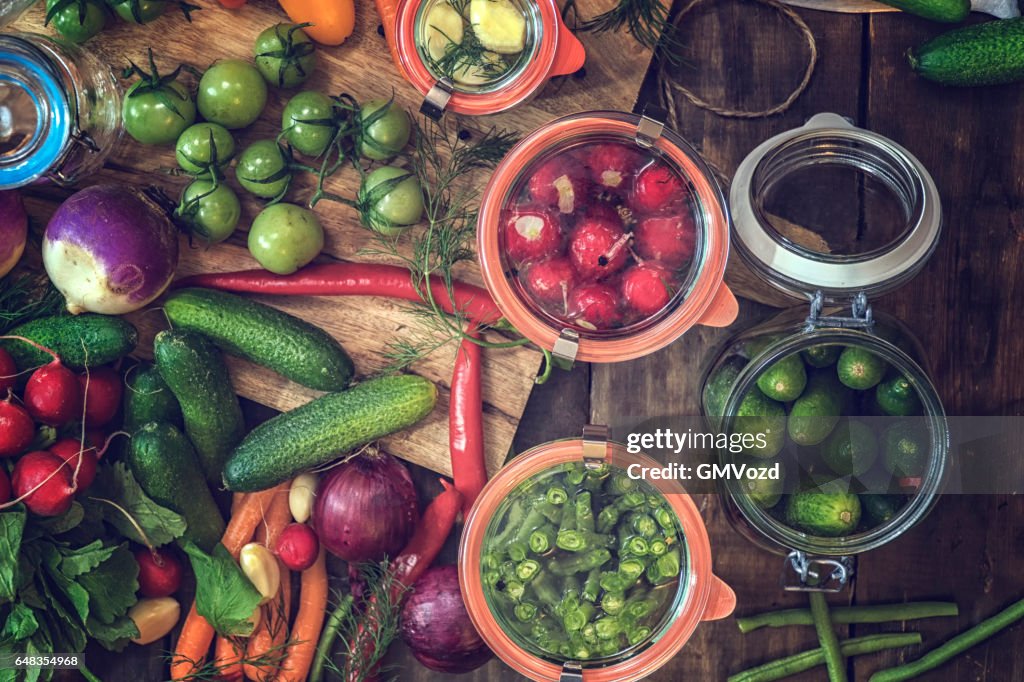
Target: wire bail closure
815,574
861,316
572,671
651,126
595,446
437,99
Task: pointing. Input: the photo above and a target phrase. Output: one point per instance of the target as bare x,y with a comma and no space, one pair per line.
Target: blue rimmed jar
60,111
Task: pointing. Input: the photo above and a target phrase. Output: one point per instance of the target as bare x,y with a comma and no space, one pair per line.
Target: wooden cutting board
615,68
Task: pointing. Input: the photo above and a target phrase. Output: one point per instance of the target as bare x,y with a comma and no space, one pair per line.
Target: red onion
110,250
366,509
436,627
13,230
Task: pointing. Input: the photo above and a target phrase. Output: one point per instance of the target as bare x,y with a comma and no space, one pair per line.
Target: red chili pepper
354,279
421,550
465,423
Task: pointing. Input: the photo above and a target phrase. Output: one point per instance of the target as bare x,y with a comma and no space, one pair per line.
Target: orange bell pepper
332,20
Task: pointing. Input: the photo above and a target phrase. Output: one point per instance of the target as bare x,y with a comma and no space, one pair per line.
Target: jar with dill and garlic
476,44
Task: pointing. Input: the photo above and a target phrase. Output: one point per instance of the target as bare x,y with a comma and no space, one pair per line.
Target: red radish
102,395
53,395
595,306
68,449
559,182
611,164
159,572
8,370
604,212
16,429
647,287
5,486
597,248
657,188
550,281
44,482
530,235
297,546
669,239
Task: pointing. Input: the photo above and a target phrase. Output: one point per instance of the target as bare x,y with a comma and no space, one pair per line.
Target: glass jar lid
35,118
834,208
570,563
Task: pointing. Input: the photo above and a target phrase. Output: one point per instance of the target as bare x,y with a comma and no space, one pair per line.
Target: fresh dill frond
646,20
26,297
211,670
467,57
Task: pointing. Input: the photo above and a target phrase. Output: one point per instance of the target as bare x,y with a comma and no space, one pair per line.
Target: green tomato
157,116
139,11
212,211
195,152
388,204
308,122
385,131
232,93
285,55
284,237
76,20
263,170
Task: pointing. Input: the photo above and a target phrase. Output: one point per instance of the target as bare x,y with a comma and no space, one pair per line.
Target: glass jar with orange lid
603,236
479,57
572,566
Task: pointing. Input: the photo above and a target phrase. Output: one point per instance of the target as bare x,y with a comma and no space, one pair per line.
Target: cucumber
946,11
719,385
859,368
822,355
165,465
764,492
898,397
323,429
197,376
816,412
763,418
834,513
879,509
291,347
79,340
851,449
785,380
991,53
147,398
905,449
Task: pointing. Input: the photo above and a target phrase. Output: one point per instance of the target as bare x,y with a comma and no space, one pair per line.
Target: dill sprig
442,160
26,297
211,670
646,20
466,56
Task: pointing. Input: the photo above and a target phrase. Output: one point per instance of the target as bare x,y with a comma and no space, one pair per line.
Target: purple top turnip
110,250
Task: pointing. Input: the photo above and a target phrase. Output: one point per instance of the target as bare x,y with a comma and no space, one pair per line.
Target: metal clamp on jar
60,111
574,568
834,215
442,49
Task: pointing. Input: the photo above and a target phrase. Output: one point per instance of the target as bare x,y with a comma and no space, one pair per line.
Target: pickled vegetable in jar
473,42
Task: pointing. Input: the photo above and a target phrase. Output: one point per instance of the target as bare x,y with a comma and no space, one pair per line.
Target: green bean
607,627
557,495
631,568
515,590
525,611
665,568
643,524
571,587
613,582
592,585
578,649
517,551
568,521
619,483
589,634
637,609
657,547
654,501
607,518
544,589
636,546
834,660
527,570
576,616
491,578
806,660
490,561
608,647
584,512
543,539
581,540
575,475
613,602
534,519
844,615
636,635
665,518
513,520
583,561
960,643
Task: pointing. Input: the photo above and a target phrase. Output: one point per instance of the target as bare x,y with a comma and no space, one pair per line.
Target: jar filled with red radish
603,237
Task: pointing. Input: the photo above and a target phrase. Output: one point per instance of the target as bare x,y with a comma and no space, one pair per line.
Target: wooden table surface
963,306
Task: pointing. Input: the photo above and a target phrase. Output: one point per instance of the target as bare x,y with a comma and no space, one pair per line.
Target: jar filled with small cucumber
572,562
838,396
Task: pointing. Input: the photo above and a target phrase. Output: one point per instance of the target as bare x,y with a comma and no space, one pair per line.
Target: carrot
248,516
193,645
269,639
236,501
227,654
308,622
